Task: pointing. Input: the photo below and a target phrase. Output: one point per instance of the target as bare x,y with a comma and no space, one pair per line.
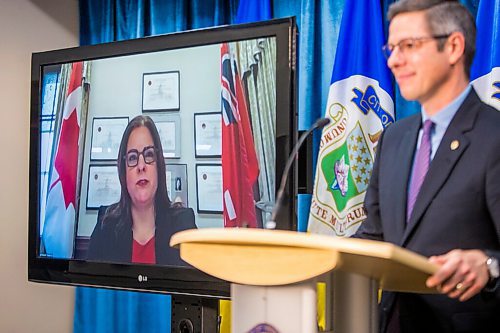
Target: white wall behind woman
25,27
116,91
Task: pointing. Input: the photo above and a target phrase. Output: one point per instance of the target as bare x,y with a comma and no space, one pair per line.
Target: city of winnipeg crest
359,111
263,328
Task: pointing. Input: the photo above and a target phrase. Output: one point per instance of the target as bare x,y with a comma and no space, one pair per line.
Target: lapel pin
454,145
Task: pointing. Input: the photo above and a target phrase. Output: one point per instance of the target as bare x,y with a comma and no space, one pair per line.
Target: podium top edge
283,238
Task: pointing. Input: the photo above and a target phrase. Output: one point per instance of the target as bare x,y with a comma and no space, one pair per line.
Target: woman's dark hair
122,209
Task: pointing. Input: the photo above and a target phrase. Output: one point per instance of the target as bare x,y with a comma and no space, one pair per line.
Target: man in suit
435,186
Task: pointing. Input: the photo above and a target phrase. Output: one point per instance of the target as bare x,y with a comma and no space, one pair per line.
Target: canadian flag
59,228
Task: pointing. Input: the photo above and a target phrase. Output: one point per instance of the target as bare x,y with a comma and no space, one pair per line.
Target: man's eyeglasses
148,153
408,45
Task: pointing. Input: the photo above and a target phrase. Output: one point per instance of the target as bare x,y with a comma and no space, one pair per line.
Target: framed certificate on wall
208,134
103,187
209,188
106,137
169,129
161,91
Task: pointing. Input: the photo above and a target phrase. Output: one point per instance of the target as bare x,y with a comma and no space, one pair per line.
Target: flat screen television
221,101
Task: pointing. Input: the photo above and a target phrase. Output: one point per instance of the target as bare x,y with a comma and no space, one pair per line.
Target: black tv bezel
154,278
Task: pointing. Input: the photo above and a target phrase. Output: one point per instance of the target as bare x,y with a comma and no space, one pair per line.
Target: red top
144,254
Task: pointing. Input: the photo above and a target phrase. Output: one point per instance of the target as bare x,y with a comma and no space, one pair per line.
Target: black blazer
109,243
458,208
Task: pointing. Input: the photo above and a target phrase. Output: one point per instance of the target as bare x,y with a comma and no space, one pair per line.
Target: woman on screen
138,228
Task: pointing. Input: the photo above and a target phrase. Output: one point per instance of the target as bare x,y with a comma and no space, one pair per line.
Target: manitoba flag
240,167
59,228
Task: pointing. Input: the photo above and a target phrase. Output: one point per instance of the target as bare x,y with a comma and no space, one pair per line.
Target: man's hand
463,273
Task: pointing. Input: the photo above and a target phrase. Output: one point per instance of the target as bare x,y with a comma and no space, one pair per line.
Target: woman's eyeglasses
148,153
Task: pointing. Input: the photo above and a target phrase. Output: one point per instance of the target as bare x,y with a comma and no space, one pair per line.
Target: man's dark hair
443,17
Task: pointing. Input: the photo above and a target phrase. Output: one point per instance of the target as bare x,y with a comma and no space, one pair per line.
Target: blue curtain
105,311
253,11
110,20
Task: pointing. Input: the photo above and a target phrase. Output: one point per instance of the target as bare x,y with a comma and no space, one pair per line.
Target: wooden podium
288,262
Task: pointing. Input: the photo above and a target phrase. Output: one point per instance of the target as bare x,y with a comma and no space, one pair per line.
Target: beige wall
26,26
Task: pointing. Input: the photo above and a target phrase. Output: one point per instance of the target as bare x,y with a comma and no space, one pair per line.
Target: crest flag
485,72
360,106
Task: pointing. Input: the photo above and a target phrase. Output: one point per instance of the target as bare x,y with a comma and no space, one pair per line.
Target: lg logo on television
142,278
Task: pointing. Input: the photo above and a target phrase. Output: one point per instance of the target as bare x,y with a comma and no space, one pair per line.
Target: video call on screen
203,100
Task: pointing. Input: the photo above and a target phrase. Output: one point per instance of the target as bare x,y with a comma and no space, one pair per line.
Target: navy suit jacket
458,207
111,243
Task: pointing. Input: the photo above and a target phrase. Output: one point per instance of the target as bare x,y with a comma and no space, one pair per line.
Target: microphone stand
271,224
